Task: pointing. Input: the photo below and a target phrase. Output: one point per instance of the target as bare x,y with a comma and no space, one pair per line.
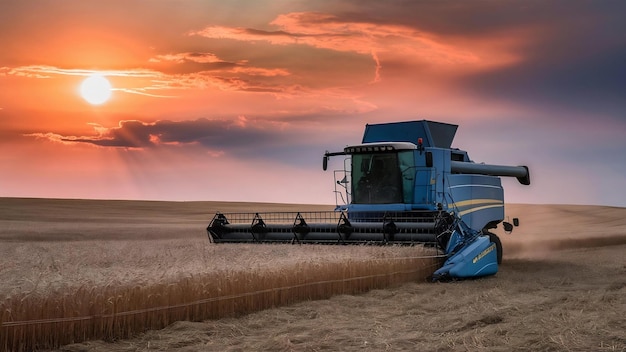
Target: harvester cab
403,184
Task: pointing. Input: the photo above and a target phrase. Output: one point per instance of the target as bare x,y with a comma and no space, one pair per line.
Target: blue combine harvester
403,184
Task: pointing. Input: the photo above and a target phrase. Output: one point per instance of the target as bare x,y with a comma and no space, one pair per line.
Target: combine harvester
403,185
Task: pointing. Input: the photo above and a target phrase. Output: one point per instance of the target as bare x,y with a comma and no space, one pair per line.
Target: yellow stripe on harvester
471,210
477,204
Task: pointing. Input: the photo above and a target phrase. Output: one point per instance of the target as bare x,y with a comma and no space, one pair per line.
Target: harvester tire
495,239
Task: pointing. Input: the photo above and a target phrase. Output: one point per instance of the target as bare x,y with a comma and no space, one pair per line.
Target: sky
238,100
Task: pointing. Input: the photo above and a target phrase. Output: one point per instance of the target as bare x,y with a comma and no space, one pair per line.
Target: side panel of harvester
477,199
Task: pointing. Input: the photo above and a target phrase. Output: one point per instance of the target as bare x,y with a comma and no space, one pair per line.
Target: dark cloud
593,84
567,53
572,53
474,18
240,138
576,62
209,133
263,33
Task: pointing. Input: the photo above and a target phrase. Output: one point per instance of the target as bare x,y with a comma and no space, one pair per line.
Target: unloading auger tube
520,172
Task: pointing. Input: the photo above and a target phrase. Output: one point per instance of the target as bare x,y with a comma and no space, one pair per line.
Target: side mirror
429,159
516,221
325,162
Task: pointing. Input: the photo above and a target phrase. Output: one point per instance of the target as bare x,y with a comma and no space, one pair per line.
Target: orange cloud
45,71
186,57
231,78
326,31
258,71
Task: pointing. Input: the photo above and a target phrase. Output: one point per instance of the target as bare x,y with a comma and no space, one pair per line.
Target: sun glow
95,89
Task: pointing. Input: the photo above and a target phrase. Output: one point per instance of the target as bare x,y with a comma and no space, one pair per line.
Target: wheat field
78,275
75,270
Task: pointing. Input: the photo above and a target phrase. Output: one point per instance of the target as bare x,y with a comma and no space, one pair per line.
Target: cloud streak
332,32
180,58
238,77
134,134
46,71
280,142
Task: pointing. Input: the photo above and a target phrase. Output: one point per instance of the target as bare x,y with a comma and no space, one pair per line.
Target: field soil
561,287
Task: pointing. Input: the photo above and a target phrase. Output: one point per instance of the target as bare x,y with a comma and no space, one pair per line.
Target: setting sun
95,89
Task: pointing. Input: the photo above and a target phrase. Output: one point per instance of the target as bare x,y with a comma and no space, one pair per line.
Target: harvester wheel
495,239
